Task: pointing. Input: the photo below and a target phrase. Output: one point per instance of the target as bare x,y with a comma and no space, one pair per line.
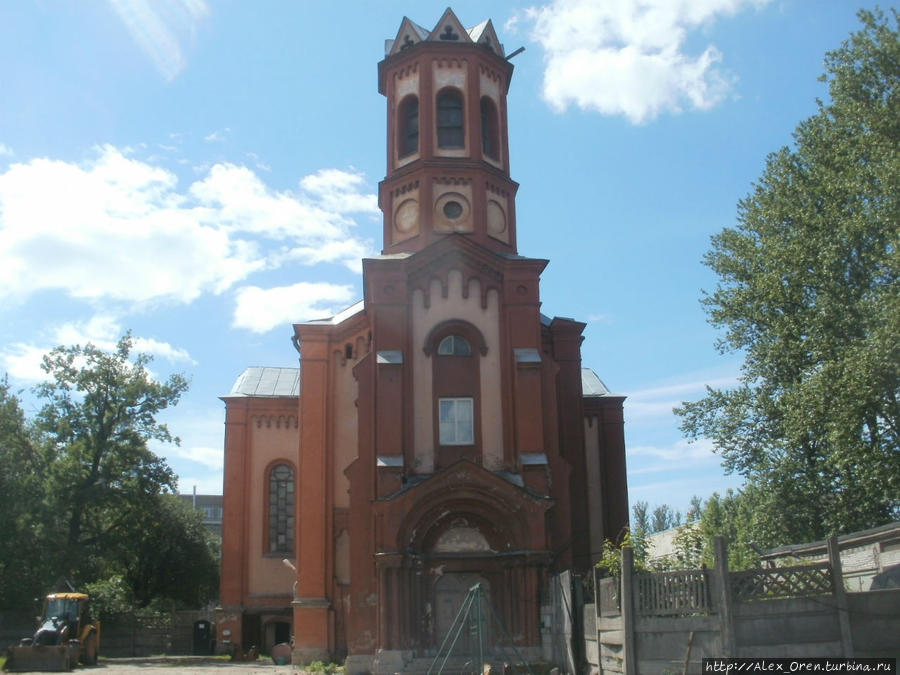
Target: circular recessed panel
406,217
496,218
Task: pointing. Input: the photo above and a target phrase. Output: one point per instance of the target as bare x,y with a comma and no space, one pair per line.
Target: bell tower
447,140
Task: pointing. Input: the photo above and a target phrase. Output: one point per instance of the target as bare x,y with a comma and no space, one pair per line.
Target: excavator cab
65,635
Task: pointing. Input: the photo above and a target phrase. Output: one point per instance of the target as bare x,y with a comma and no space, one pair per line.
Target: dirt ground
182,665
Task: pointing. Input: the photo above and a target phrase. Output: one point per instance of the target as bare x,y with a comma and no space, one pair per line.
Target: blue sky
204,173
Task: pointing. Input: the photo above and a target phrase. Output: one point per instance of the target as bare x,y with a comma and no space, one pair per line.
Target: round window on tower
453,209
452,213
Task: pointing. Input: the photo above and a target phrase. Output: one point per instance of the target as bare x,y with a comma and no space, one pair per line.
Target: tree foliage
99,413
81,493
809,293
732,516
645,521
22,510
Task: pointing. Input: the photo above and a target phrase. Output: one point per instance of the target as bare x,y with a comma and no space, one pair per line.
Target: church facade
440,433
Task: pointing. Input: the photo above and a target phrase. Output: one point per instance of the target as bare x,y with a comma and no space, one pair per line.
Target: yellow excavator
66,634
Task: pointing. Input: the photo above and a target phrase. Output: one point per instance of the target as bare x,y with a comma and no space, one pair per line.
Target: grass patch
322,668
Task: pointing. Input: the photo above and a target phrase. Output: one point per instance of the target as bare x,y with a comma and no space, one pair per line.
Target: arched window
454,345
281,509
408,131
490,144
450,119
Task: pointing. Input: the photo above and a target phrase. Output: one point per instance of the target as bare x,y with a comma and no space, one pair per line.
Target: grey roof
341,316
591,385
880,533
267,382
263,382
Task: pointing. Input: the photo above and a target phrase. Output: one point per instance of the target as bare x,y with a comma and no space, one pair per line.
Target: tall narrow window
281,509
457,421
450,119
408,133
489,136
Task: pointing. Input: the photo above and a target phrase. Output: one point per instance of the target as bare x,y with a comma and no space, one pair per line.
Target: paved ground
178,665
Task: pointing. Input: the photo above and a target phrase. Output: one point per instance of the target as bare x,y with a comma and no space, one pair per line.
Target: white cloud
6,151
339,191
680,451
658,401
211,458
218,136
261,310
206,484
625,57
23,360
116,228
161,27
162,349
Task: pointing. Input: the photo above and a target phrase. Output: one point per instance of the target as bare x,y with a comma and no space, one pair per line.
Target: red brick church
439,433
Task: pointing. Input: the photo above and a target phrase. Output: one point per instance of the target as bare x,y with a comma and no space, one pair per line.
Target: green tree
733,517
809,293
23,567
664,517
176,557
101,478
640,512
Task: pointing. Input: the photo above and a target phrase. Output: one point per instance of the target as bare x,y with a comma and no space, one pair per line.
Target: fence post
726,612
840,595
630,665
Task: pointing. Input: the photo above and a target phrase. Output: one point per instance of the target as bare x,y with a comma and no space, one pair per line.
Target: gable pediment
409,35
485,35
449,29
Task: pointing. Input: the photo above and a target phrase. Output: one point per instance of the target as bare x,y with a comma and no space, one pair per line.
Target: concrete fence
124,635
668,622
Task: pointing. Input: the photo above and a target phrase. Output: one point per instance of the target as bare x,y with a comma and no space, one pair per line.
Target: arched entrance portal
462,527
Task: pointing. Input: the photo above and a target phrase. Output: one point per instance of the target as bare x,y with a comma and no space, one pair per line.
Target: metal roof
340,317
267,382
591,385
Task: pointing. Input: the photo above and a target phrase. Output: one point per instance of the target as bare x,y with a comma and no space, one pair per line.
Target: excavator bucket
48,658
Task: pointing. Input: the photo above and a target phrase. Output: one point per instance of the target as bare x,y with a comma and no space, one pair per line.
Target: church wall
487,320
345,427
595,487
271,438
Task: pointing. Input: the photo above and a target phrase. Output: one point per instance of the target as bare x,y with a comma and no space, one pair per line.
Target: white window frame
453,431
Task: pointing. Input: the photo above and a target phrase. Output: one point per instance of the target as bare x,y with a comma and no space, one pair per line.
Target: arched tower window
408,131
281,509
490,142
450,119
454,345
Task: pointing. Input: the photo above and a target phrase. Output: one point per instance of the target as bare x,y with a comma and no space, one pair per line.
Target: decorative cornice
278,421
447,62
